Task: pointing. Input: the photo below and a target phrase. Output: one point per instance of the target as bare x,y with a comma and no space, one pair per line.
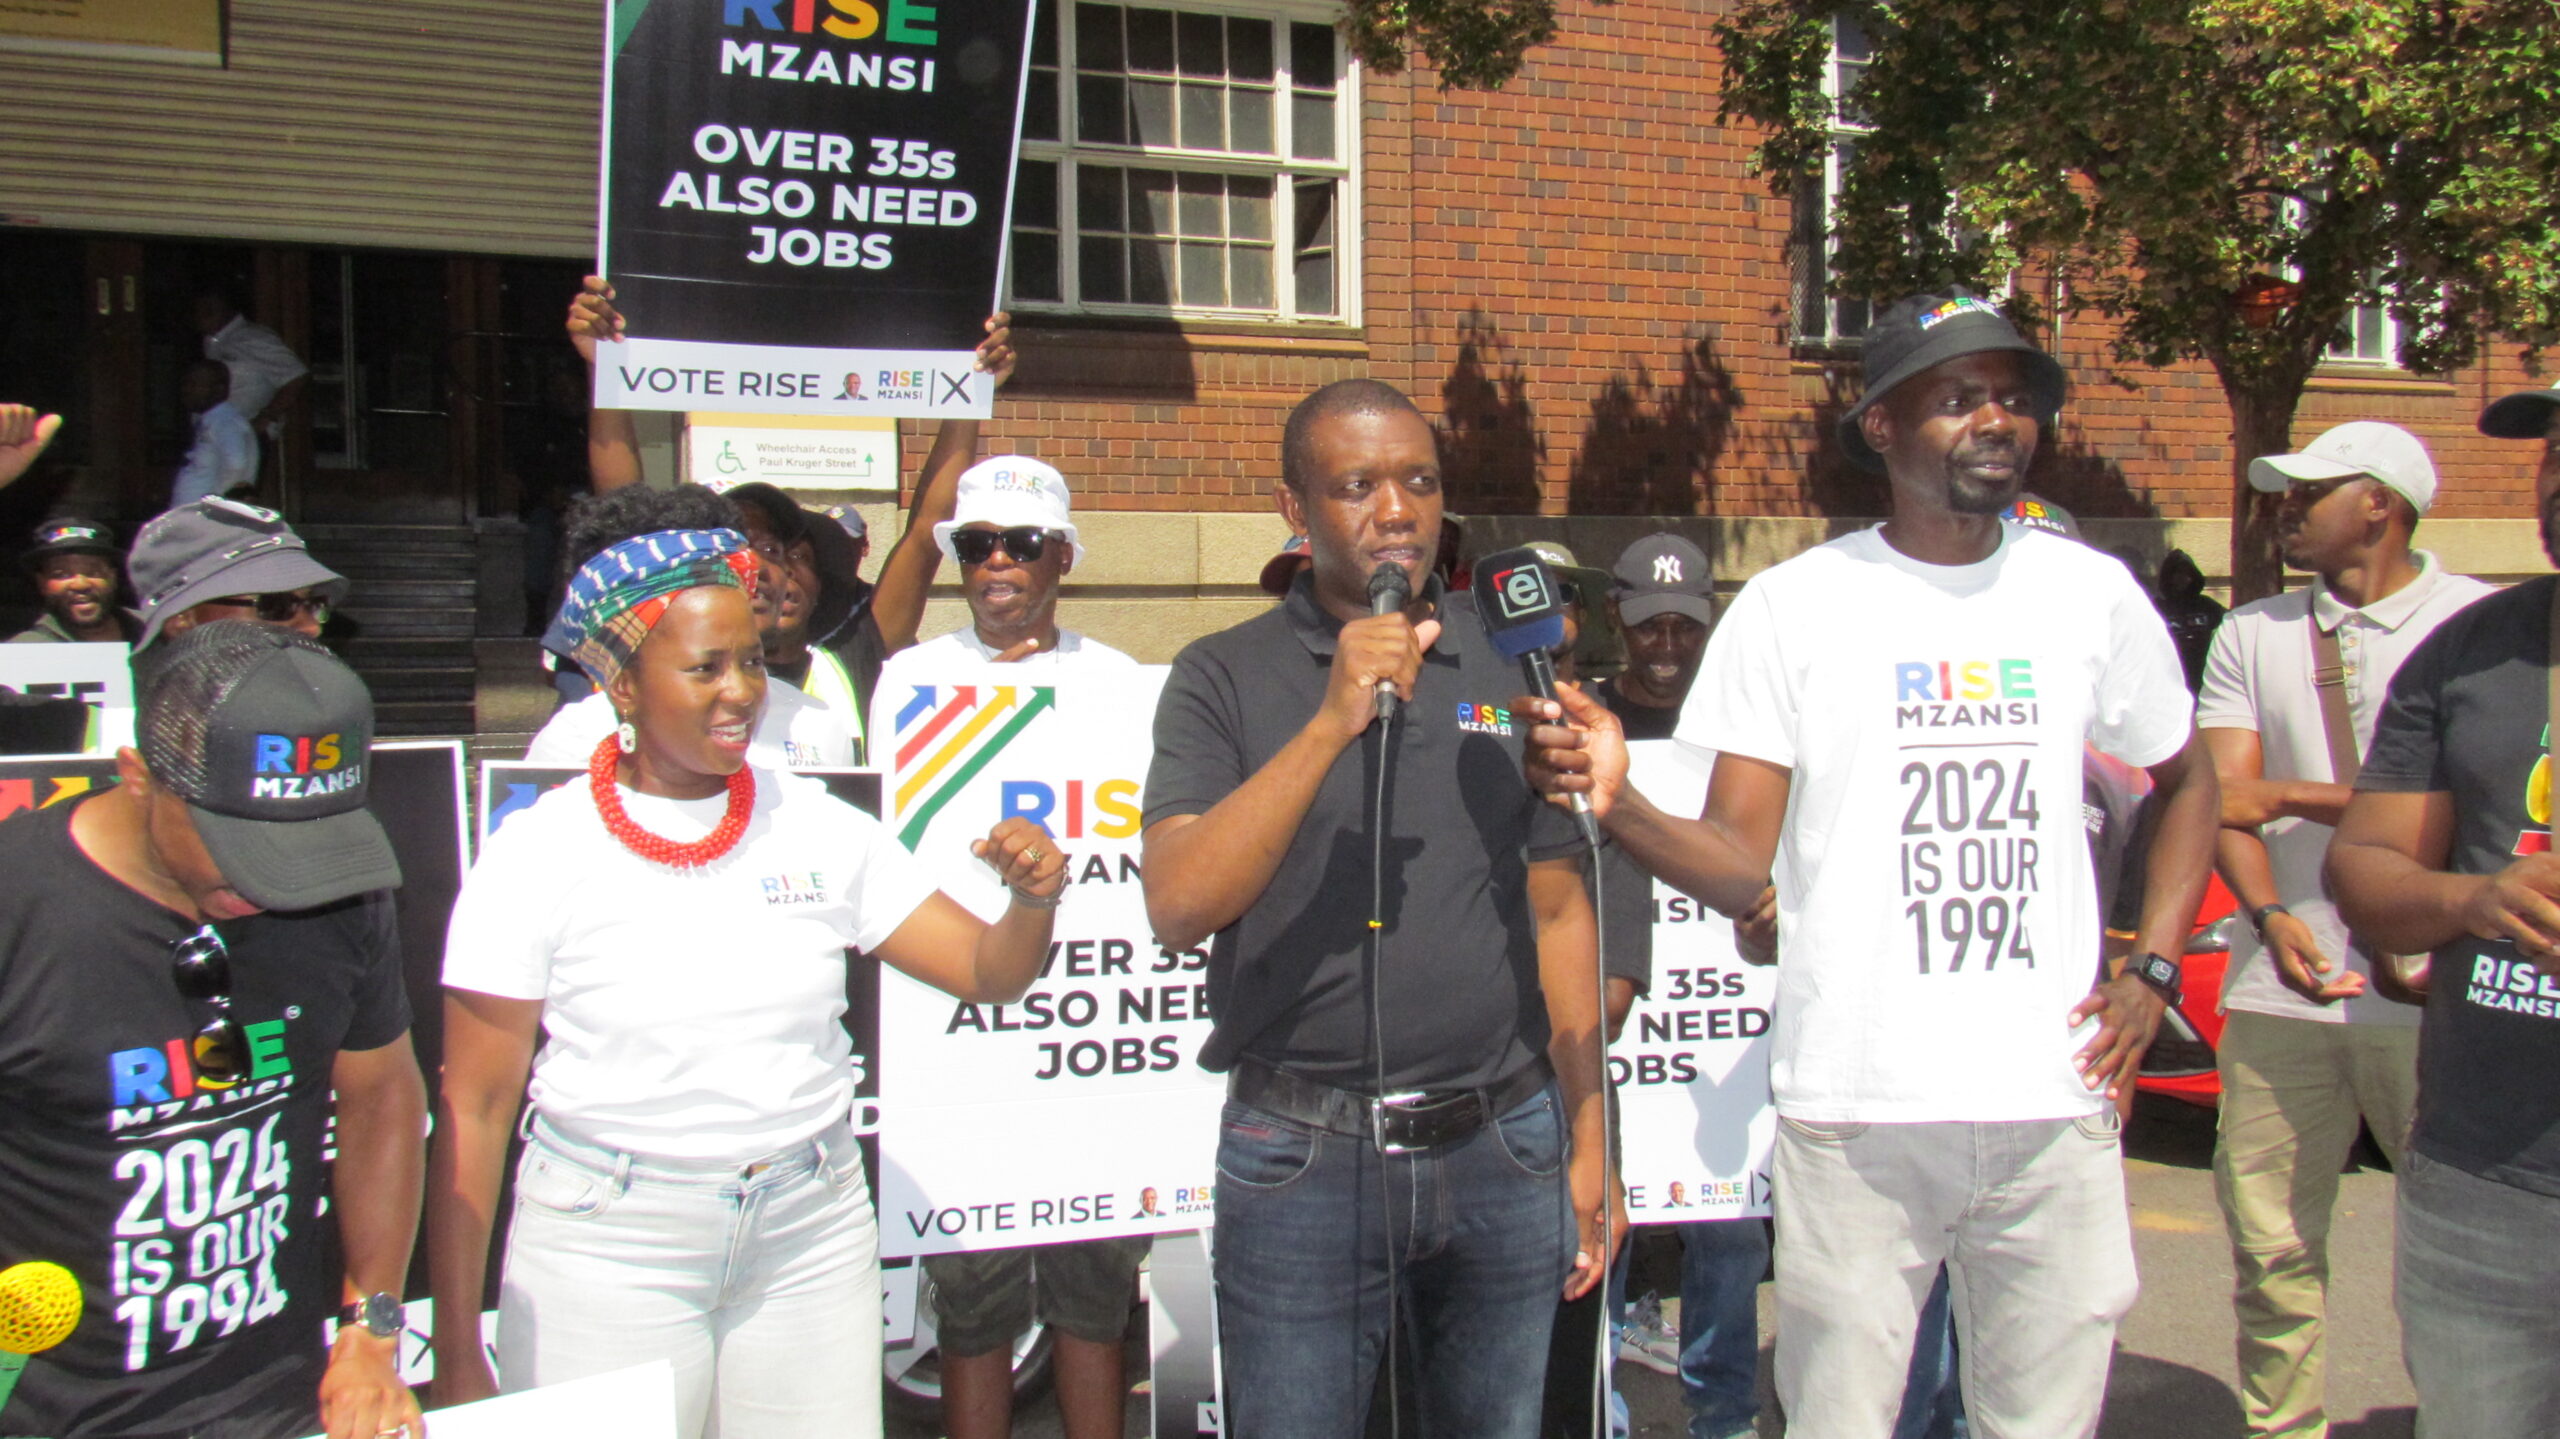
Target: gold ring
1032,854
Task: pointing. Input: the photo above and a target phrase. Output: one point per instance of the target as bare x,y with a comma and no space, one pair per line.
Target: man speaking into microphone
1402,967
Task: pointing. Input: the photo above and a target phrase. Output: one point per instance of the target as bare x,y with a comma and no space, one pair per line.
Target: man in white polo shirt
2314,1042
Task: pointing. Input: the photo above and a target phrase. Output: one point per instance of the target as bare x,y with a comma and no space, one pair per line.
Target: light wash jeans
760,1283
2029,1219
2479,1262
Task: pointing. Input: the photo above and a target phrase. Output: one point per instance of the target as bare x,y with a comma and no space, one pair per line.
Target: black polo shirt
1287,982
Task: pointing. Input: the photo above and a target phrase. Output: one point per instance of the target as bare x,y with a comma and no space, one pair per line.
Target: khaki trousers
2292,1092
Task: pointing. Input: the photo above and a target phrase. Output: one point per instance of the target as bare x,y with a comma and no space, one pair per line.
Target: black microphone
1522,607
1390,590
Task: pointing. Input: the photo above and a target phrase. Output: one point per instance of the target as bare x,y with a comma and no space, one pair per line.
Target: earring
626,736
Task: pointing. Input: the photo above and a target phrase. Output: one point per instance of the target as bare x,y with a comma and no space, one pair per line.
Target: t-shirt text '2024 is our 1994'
191,1209
1937,913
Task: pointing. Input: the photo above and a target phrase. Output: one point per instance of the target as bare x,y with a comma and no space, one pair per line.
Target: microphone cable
1378,1072
1390,590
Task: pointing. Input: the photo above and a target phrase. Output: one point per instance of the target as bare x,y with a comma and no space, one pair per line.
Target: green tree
2170,162
1474,44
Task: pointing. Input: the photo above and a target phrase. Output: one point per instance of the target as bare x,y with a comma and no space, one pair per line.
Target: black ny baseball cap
269,740
1925,331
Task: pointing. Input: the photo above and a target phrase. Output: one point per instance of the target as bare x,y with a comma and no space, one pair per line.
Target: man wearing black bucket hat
1898,718
191,962
2446,847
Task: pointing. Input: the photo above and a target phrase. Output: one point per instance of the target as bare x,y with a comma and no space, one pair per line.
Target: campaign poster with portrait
1692,1066
805,203
1080,1111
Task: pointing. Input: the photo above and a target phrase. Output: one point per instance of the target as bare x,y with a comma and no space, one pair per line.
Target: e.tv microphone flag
39,1307
1522,607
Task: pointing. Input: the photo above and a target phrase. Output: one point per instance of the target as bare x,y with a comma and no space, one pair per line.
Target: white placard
101,675
1692,1066
645,374
1080,1111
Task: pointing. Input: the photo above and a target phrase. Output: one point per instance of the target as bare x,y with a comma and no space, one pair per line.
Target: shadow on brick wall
1488,431
1651,446
2087,483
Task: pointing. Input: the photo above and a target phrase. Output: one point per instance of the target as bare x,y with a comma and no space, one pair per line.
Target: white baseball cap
2388,453
1006,491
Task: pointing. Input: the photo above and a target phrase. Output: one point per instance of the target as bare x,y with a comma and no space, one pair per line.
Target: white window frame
1844,136
1067,153
2375,320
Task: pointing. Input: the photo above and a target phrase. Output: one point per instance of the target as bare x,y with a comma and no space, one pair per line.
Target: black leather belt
1396,1123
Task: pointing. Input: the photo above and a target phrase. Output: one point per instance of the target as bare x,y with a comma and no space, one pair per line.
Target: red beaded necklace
658,848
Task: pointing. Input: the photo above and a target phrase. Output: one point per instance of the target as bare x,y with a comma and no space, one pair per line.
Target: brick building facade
1581,282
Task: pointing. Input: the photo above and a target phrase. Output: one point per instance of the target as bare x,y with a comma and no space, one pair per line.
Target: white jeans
2029,1219
760,1283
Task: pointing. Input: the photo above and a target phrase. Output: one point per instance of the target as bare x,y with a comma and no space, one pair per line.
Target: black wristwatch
2258,917
378,1313
2160,974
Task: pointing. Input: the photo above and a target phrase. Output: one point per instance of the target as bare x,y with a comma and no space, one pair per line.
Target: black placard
829,175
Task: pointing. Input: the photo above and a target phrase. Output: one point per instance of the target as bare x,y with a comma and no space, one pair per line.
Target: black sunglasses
279,608
1025,543
201,965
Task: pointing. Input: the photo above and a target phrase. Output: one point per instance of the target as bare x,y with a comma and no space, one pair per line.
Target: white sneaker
1649,1339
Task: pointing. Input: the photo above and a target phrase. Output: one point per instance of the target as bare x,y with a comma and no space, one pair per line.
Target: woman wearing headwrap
675,927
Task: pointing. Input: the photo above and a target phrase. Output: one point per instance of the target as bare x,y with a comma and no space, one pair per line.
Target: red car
2179,1063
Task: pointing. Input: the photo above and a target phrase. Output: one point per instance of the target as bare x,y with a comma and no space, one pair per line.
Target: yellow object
39,1307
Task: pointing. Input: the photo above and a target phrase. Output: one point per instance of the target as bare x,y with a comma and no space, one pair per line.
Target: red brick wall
1579,281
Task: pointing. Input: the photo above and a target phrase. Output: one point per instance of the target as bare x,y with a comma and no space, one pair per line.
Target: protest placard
1080,1110
65,699
1692,1066
805,202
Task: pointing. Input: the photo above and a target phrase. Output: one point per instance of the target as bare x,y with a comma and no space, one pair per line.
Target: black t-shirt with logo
1287,981
2466,717
1639,721
191,1215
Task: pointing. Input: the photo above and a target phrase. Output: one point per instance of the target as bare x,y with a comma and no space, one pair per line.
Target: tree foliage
1474,44
2158,157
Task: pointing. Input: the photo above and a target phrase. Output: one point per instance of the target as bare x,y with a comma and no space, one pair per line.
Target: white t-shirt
795,732
689,1014
1933,717
1073,650
2258,677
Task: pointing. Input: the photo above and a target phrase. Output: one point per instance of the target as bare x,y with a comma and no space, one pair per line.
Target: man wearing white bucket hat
1014,539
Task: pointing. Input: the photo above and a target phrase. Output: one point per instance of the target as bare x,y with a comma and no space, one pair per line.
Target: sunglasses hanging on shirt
201,966
1025,543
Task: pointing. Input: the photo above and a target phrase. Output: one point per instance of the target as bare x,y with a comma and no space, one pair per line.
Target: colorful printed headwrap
619,596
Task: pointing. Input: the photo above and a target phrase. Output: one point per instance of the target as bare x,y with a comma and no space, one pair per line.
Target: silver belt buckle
1378,1108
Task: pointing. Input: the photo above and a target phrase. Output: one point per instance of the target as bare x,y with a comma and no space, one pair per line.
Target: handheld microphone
39,1307
1390,590
1522,607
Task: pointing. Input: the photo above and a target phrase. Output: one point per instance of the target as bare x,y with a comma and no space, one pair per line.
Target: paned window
1184,162
1823,316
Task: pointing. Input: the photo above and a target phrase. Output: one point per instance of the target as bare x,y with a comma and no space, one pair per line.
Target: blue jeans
1483,1234
2479,1262
1721,1263
1932,1396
